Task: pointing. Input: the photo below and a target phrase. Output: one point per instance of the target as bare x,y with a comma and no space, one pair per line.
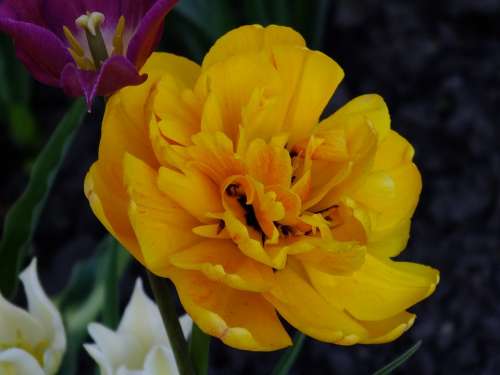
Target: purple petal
116,73
149,32
59,13
41,51
134,11
26,10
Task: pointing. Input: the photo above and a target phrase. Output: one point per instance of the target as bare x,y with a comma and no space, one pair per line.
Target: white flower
32,342
140,345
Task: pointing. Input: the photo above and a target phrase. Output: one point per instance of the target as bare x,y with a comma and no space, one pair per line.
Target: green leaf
22,218
288,359
22,125
199,347
388,369
87,296
15,82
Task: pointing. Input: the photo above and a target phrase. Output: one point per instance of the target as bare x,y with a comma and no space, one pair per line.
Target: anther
91,22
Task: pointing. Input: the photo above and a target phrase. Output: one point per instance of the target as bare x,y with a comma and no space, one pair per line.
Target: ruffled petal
160,225
248,39
232,84
192,191
136,99
222,261
311,78
104,187
271,165
213,154
328,321
243,320
379,290
369,108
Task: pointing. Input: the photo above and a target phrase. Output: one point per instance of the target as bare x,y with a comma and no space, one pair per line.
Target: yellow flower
224,179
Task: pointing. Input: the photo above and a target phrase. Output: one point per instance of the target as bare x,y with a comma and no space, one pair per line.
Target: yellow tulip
224,179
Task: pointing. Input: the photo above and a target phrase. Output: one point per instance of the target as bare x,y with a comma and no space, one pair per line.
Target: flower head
140,344
224,179
33,341
85,47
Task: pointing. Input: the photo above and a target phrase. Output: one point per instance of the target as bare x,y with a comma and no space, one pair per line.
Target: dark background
437,64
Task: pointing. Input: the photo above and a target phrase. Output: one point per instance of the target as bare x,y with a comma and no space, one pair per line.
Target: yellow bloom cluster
224,179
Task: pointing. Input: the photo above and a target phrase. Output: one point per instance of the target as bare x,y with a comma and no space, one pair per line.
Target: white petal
120,349
18,325
102,361
125,371
42,309
186,325
142,319
160,361
19,362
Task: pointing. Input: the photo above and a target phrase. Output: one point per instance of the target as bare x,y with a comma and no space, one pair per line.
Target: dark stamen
233,190
221,226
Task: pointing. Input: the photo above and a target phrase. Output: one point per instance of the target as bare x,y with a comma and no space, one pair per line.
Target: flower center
91,23
235,191
37,351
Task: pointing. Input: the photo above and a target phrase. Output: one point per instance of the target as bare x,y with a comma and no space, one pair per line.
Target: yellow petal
333,257
247,200
166,152
379,290
192,191
369,108
361,140
110,207
306,310
221,260
391,195
251,38
311,78
328,321
387,330
388,243
213,155
135,98
178,109
251,243
160,225
243,320
231,84
393,152
269,164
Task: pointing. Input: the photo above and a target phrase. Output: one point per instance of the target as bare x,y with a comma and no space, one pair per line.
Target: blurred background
436,63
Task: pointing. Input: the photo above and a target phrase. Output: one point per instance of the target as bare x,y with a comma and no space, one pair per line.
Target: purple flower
85,47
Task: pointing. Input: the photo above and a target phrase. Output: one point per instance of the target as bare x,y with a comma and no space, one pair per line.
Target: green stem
165,300
287,360
199,347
